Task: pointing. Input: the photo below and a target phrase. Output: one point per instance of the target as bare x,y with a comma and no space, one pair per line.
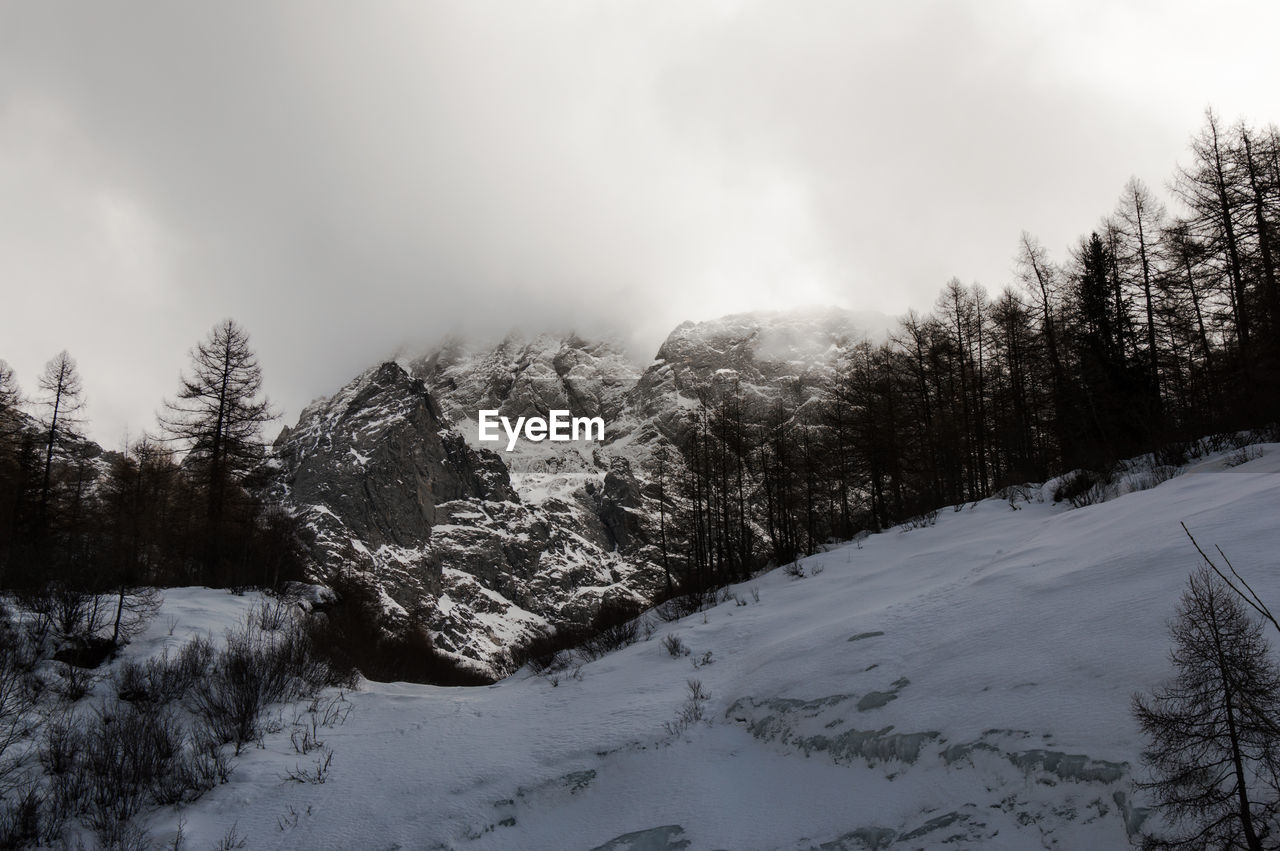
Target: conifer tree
1211,730
62,399
218,418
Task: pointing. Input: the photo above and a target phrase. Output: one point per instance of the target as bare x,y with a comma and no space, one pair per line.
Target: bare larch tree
1212,754
218,418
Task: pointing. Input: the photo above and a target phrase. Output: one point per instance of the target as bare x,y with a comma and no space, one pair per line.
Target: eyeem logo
558,427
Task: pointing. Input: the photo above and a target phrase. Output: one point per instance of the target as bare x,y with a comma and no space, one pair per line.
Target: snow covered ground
964,684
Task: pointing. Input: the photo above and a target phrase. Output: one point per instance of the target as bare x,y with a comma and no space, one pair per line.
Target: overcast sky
343,178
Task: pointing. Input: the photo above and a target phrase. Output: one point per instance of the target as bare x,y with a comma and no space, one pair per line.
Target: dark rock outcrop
379,456
395,497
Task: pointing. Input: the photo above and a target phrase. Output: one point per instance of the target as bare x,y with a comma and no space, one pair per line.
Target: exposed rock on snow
392,479
394,496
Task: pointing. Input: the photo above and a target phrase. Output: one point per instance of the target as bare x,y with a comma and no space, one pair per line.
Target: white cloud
344,178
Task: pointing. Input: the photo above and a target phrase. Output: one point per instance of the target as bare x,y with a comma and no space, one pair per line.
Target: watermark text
557,426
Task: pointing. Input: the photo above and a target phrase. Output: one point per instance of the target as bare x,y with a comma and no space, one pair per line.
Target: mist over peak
344,181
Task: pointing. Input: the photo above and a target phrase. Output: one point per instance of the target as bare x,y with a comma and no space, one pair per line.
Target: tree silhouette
218,418
62,398
1212,739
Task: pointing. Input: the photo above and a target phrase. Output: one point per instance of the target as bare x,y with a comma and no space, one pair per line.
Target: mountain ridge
489,548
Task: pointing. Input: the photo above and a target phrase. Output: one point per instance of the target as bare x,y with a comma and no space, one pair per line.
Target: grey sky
345,177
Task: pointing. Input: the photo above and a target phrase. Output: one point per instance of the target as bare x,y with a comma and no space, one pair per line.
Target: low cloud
345,179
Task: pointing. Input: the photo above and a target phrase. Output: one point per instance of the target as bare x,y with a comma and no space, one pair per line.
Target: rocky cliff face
395,496
487,547
761,354
378,455
520,377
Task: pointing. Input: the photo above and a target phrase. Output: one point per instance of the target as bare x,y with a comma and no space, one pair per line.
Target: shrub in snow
208,763
1015,494
322,712
273,614
255,670
545,653
20,820
158,740
1177,453
1082,487
163,679
317,774
131,758
59,752
687,604
920,521
74,681
231,840
691,712
75,614
1243,455
1150,477
17,698
616,625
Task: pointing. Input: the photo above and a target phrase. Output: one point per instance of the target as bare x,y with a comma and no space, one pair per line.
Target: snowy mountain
963,684
489,548
762,349
395,497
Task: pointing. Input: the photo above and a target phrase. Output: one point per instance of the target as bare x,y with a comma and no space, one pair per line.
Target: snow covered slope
965,684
